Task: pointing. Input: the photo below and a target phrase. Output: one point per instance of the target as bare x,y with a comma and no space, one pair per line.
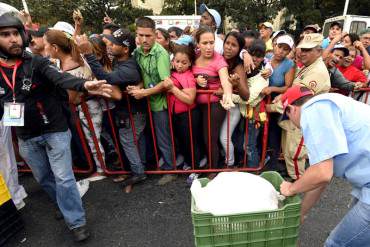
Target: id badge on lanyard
13,111
13,114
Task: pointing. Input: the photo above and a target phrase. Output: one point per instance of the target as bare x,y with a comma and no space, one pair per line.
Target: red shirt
353,74
181,81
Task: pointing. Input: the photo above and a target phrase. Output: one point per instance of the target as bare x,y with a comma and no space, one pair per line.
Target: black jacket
43,105
124,73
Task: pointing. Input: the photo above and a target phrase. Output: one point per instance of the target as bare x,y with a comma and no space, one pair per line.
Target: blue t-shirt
338,127
277,79
325,43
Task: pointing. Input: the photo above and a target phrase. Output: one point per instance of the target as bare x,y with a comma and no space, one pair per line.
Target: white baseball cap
214,13
64,27
285,39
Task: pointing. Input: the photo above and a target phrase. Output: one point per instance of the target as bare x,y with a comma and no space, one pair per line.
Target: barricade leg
92,117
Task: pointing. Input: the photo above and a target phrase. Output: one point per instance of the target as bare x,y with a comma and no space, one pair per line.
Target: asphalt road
150,216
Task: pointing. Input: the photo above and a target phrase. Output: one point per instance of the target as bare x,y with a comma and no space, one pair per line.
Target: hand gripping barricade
122,168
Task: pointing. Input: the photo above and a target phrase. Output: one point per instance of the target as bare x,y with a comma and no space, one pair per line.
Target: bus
181,21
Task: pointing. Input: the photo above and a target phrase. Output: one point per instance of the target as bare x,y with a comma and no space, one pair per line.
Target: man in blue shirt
334,31
337,136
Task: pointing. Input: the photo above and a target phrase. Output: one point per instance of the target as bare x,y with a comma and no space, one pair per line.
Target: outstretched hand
99,88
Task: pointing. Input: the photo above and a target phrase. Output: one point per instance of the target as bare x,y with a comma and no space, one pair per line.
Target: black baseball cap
38,32
122,37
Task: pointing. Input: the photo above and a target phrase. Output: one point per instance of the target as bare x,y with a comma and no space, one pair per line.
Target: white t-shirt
219,45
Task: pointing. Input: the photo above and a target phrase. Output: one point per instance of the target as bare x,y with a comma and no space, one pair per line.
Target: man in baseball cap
121,37
315,76
212,19
266,29
312,28
336,134
291,96
37,45
125,72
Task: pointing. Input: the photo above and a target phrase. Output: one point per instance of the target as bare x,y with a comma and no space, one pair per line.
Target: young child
181,86
254,108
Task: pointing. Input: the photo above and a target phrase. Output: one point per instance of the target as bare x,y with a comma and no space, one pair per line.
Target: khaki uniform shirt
315,77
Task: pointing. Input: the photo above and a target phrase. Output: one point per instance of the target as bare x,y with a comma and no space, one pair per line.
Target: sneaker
83,186
161,162
96,177
120,178
191,178
167,178
134,179
179,160
186,167
20,205
80,233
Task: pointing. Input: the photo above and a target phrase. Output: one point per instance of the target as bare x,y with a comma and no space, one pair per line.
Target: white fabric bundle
234,193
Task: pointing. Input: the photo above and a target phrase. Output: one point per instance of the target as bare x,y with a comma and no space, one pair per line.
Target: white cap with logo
285,39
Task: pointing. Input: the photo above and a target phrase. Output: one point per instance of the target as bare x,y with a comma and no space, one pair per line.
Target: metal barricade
362,95
210,168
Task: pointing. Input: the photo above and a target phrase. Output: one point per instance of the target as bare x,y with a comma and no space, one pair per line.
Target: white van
350,23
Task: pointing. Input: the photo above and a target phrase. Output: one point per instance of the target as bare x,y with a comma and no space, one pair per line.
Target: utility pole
195,7
345,7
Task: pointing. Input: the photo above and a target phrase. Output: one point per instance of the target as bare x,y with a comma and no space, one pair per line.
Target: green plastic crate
277,228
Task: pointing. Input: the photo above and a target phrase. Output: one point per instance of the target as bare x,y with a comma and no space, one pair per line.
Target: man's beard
15,51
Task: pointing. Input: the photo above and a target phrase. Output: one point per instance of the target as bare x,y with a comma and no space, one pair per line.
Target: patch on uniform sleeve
312,84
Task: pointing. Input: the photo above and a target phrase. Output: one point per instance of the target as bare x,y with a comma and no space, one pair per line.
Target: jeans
354,228
49,157
126,136
162,132
252,150
224,139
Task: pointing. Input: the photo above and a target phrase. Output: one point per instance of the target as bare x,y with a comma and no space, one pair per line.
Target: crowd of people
200,91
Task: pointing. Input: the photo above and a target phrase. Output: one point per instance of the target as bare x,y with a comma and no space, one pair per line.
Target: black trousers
182,131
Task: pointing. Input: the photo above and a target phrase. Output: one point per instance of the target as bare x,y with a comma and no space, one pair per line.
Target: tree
242,12
48,12
306,12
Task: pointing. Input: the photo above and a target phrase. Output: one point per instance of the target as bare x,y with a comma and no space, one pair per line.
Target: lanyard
11,85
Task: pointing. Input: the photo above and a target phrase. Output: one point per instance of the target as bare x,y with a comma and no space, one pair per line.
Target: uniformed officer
313,75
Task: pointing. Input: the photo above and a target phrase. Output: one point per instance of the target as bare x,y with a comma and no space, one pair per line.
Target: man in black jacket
28,101
125,73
